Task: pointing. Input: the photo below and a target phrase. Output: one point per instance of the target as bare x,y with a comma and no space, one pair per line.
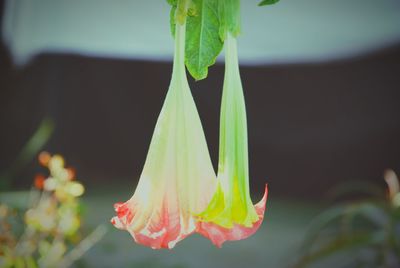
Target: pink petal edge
162,234
218,235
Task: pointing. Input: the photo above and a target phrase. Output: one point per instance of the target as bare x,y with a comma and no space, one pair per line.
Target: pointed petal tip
262,203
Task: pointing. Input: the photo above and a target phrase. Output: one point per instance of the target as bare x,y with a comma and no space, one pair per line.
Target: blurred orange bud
71,173
39,181
44,158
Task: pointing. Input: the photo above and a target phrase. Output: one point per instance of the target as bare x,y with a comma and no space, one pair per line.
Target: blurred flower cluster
50,228
358,233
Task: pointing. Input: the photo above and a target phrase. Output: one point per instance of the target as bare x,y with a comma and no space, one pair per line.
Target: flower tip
392,182
117,205
262,203
117,223
218,235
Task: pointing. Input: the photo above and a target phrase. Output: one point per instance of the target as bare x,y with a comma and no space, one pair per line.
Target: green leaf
203,43
268,2
336,245
28,152
371,212
321,222
229,17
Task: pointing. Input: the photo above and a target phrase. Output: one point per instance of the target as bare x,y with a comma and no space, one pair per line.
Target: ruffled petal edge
164,233
218,235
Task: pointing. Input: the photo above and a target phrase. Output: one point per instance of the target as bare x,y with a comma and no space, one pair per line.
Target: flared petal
231,214
218,234
178,180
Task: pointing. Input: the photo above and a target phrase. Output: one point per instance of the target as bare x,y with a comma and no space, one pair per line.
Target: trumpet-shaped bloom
231,214
178,180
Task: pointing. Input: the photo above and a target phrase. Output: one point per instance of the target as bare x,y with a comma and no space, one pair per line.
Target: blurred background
321,81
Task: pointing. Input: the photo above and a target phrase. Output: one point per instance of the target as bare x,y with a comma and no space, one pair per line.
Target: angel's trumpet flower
178,180
231,214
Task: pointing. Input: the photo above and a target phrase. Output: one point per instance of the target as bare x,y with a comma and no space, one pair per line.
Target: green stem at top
181,11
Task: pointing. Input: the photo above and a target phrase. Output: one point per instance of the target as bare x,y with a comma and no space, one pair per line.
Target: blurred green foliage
28,152
361,233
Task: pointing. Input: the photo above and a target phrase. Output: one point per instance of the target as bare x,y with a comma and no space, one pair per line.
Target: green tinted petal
231,203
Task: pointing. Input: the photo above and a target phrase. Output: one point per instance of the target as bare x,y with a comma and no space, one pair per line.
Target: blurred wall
310,126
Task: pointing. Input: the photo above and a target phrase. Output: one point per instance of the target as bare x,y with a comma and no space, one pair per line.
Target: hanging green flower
231,214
